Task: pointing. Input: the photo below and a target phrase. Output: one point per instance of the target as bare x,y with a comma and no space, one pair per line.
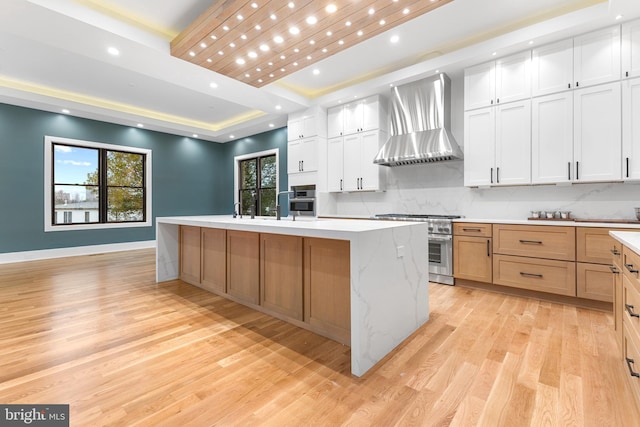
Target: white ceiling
53,55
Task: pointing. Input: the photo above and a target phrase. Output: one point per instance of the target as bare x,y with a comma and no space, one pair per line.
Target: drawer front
537,241
632,361
556,277
471,229
631,265
593,245
631,306
594,281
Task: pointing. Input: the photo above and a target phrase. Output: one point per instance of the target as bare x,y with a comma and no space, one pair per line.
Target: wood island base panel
362,283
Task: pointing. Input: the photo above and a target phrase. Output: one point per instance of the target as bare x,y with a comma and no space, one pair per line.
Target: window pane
125,169
74,165
125,204
245,202
75,204
248,177
268,202
268,171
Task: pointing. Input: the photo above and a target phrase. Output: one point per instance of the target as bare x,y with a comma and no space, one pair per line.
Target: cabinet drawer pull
522,273
615,252
531,242
488,247
614,269
631,372
472,229
630,268
629,308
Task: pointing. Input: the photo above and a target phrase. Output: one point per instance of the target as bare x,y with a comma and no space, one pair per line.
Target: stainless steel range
440,243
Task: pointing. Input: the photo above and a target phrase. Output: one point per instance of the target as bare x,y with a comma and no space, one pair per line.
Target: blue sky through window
73,164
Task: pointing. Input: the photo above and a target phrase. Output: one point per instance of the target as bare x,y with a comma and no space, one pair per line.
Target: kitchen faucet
235,212
278,207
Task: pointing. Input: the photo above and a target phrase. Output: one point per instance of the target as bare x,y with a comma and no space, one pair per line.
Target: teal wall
190,176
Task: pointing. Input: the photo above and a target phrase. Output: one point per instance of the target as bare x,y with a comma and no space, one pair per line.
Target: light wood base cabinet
472,258
281,274
214,260
327,293
544,275
190,254
243,266
538,241
594,281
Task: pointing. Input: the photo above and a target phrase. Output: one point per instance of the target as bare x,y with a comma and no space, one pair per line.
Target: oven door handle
439,238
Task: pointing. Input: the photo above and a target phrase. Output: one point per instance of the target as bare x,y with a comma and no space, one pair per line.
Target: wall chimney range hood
420,124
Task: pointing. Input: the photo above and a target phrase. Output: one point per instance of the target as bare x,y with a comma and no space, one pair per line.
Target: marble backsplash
438,188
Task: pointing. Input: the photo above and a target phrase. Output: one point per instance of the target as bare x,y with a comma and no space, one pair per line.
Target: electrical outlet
400,251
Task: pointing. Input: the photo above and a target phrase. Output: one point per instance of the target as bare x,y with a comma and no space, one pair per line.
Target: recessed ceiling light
240,17
213,37
270,63
213,85
252,54
113,51
273,16
316,72
329,33
259,80
264,47
437,71
312,20
278,107
395,39
258,69
140,125
348,23
295,64
65,111
258,27
243,37
282,57
494,53
291,5
324,50
341,42
309,57
331,8
254,5
360,33
312,42
240,61
382,22
372,11
294,30
406,11
225,28
282,69
618,17
271,125
530,41
231,136
271,75
209,60
195,135
220,52
192,53
247,75
278,39
203,45
390,84
296,50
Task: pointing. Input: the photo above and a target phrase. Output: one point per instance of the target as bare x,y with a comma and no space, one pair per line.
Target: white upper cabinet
335,121
479,86
302,155
360,173
479,147
513,143
513,78
596,57
552,138
631,49
631,129
597,134
311,122
335,164
552,68
505,80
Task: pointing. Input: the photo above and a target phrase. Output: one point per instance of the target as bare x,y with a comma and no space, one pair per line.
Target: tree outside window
258,179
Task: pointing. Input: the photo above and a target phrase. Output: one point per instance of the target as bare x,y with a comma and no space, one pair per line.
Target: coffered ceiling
112,60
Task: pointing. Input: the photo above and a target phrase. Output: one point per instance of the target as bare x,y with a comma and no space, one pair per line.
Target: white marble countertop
310,227
549,222
630,239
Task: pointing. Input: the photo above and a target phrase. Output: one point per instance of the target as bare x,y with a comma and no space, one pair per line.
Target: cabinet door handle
630,268
614,270
569,171
539,276
497,175
627,167
491,175
577,171
497,100
341,185
472,229
626,74
629,309
615,252
577,84
302,161
629,363
488,247
568,85
531,242
492,102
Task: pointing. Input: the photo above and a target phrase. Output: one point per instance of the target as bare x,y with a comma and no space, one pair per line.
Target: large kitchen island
362,283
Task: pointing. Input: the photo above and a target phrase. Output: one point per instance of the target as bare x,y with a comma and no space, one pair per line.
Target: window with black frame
92,185
258,182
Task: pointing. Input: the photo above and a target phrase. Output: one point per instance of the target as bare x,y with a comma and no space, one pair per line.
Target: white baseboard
74,251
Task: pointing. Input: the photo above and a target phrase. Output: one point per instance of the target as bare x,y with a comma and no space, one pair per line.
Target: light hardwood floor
95,332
